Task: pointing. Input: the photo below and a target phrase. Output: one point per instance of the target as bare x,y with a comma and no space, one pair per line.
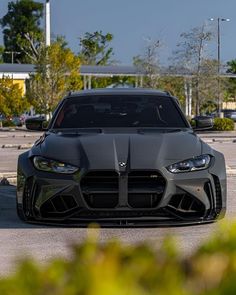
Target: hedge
7,123
223,124
115,269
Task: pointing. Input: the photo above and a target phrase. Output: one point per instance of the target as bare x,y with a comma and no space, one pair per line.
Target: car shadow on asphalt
8,214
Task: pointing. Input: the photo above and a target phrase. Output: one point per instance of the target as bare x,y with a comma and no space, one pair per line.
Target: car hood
138,150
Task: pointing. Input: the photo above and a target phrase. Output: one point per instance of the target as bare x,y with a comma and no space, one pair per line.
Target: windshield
119,111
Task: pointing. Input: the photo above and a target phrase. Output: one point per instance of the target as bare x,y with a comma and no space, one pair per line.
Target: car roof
114,91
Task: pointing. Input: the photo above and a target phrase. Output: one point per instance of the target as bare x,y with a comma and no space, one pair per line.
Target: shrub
113,268
7,123
223,124
191,121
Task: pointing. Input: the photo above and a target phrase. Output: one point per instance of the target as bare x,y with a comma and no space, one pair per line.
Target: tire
20,213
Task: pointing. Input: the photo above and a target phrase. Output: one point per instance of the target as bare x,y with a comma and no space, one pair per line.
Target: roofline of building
24,70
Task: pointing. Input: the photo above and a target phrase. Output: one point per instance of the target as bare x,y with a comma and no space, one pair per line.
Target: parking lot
45,242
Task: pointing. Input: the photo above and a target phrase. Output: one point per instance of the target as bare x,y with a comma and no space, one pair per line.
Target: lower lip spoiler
121,222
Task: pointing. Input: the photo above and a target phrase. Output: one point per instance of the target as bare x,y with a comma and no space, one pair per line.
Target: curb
8,176
13,129
19,135
215,132
218,139
18,146
217,136
12,181
231,172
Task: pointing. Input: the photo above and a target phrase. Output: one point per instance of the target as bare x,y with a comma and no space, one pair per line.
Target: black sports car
120,157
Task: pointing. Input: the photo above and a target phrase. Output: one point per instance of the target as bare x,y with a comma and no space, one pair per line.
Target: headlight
197,163
48,165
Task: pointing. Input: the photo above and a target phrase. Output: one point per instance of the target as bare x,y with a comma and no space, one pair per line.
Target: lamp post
219,20
48,23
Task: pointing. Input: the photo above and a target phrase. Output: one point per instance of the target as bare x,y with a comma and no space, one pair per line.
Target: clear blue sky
131,21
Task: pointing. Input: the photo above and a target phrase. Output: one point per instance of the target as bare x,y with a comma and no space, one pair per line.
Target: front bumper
113,198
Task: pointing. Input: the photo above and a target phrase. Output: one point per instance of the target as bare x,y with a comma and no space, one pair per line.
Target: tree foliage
11,100
148,63
1,53
21,30
231,83
103,82
190,58
191,48
207,86
95,48
175,85
57,72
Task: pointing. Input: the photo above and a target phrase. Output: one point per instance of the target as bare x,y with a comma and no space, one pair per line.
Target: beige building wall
18,78
21,84
229,105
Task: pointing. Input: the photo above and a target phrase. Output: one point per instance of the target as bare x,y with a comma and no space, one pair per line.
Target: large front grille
108,189
101,189
145,189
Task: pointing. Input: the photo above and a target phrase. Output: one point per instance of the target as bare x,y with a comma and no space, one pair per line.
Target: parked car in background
204,120
17,121
231,114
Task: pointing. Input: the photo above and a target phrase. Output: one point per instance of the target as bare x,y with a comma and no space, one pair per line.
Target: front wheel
20,213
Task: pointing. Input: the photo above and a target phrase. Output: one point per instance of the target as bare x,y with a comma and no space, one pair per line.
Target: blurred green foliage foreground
115,269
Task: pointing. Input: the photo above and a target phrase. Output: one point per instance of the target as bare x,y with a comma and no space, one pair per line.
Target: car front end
140,190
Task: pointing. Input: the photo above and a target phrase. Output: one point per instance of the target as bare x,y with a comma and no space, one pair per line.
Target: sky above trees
133,22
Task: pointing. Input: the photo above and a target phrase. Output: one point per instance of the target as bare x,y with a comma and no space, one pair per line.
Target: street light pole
218,45
219,19
218,66
48,23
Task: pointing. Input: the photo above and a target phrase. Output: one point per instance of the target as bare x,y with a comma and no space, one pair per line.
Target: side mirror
202,123
36,124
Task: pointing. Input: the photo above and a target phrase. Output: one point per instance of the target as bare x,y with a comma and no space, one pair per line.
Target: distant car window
119,111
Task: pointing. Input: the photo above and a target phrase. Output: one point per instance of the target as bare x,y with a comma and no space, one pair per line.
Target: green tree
102,82
1,54
231,85
21,31
208,86
57,72
190,57
11,100
175,85
148,63
95,48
